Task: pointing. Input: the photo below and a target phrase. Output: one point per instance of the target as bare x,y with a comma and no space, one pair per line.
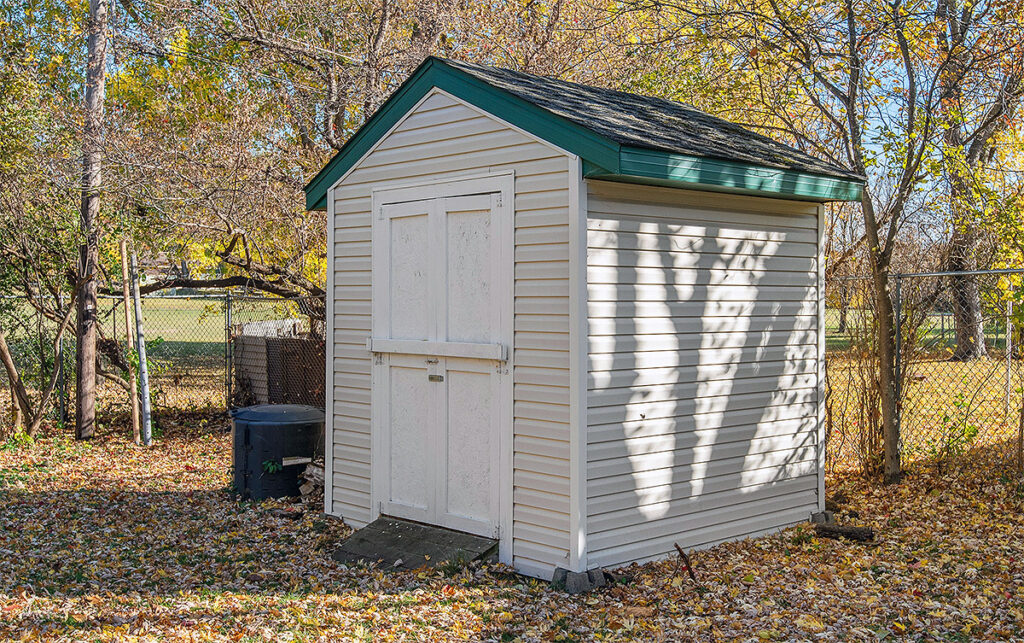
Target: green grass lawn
174,328
936,332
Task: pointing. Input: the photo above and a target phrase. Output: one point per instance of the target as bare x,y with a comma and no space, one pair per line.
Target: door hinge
499,199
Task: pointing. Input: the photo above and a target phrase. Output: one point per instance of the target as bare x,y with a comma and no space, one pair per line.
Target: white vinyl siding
441,139
702,401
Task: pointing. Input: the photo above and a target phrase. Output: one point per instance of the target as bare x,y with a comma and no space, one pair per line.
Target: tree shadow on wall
703,382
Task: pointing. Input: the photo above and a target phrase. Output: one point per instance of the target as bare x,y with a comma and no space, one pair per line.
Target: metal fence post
228,351
140,347
898,358
1009,349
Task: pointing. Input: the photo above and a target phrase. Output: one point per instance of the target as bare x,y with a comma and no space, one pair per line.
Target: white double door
441,335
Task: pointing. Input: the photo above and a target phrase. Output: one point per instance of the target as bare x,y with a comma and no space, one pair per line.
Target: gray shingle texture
651,123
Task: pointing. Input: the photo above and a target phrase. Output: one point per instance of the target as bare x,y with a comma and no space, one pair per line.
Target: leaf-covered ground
105,541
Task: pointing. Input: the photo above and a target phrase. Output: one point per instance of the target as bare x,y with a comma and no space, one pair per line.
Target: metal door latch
435,378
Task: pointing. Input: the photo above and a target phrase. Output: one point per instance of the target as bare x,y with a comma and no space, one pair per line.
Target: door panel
409,283
470,469
469,313
411,408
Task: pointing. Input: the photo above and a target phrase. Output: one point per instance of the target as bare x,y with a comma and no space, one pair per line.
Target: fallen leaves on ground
106,541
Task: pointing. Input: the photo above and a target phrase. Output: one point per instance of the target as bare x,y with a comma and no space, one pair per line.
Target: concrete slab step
402,544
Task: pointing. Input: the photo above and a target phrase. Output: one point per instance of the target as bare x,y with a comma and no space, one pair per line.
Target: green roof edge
602,157
638,165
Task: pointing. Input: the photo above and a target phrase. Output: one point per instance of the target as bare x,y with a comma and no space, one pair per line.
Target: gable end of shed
434,74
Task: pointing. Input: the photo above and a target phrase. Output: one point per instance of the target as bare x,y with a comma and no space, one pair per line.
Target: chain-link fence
185,350
200,353
961,386
962,360
30,336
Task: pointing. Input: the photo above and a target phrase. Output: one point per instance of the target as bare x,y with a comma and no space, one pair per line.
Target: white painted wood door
441,330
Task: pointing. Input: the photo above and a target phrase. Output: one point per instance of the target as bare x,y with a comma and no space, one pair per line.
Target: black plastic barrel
271,445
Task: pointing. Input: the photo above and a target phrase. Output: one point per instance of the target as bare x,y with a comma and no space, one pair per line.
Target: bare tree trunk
19,396
887,346
92,147
963,248
844,306
16,416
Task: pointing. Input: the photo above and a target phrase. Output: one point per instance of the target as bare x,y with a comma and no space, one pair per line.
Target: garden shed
584,322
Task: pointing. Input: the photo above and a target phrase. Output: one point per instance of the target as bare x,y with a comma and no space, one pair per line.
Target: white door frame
502,184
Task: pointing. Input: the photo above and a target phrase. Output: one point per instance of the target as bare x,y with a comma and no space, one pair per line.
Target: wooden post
126,292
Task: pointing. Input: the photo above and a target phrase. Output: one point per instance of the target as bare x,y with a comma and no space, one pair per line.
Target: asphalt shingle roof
649,122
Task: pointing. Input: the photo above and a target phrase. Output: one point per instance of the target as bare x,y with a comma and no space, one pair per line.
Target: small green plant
958,432
801,536
21,473
272,466
17,441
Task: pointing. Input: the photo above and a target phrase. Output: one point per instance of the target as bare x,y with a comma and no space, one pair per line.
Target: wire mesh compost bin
275,361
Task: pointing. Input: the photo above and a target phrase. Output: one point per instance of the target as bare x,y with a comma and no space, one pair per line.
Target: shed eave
678,170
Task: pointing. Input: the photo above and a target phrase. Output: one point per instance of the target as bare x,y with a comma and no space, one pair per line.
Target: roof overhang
653,167
602,157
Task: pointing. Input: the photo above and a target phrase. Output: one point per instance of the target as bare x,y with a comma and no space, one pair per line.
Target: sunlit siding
444,139
702,401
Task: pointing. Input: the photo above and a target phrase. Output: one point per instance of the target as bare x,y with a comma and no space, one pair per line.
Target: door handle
435,378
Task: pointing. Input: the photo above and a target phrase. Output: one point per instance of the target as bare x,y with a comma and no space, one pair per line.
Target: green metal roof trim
640,165
603,157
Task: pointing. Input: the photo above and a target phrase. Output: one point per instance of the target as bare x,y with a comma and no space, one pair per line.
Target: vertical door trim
503,185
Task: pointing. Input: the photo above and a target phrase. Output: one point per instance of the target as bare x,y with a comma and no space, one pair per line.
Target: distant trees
981,85
214,115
